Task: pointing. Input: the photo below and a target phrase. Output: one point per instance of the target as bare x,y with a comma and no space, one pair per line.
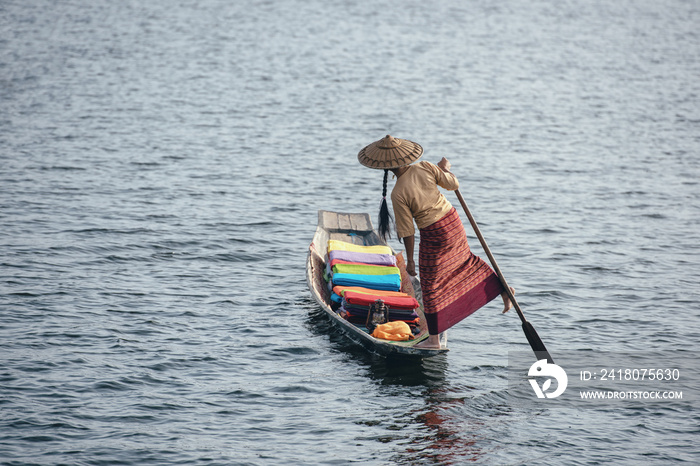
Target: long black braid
386,220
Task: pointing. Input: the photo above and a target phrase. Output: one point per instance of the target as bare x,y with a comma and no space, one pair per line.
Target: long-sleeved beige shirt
416,196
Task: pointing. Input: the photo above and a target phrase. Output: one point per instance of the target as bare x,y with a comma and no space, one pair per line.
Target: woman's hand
411,267
444,165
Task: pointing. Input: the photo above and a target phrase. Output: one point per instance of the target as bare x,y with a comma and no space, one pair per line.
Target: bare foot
433,342
507,305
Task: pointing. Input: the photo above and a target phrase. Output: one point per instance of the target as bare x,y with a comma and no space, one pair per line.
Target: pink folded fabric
363,257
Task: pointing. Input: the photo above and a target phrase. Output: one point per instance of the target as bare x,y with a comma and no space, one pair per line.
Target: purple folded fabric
363,257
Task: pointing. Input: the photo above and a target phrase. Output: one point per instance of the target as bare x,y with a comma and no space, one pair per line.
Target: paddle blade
536,343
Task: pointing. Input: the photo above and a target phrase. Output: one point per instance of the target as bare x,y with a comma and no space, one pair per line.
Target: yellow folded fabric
396,331
361,269
337,245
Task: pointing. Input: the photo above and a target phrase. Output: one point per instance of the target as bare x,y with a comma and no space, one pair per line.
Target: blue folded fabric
361,311
359,317
376,282
394,314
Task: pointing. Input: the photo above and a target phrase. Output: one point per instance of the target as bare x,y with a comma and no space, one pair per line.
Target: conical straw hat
390,152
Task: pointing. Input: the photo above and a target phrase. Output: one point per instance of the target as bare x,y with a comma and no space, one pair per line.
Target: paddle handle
532,337
496,268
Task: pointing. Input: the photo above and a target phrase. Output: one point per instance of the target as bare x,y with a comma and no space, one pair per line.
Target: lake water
162,165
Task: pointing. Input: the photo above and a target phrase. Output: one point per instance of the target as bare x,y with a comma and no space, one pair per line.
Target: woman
454,281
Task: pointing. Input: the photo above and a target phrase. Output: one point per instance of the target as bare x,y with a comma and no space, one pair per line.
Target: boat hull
357,228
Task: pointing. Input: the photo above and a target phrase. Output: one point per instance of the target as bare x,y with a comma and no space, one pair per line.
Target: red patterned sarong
454,281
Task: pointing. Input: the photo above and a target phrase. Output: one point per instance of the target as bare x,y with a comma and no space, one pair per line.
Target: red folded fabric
341,290
396,302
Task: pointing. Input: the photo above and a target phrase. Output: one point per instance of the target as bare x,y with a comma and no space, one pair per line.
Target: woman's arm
444,165
409,242
444,177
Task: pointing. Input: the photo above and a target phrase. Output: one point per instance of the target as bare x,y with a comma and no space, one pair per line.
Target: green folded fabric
359,269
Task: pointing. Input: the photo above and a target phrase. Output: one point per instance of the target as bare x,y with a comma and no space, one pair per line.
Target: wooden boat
357,229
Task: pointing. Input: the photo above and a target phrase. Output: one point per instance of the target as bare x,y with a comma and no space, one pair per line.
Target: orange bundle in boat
396,331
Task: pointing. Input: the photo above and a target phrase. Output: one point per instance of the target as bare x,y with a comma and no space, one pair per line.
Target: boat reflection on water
448,423
440,422
407,373
447,436
439,428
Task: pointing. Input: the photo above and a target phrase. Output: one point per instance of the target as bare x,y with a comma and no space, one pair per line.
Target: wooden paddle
532,337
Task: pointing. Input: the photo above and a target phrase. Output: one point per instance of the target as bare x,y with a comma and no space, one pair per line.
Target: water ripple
161,175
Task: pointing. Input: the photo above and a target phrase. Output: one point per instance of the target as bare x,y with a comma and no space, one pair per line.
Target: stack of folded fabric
371,267
360,275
